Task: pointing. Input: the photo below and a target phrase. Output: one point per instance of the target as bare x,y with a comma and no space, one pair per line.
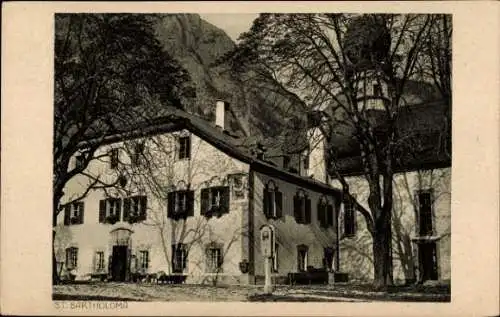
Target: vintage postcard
250,159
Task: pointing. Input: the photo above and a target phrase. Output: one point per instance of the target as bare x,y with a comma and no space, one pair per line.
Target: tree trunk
382,255
55,275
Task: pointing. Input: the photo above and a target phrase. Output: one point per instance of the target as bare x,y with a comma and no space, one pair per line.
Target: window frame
79,161
302,200
216,259
139,148
99,261
302,257
143,260
72,258
114,158
419,228
184,147
179,255
272,197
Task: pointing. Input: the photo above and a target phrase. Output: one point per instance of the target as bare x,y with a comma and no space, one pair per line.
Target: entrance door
428,261
119,263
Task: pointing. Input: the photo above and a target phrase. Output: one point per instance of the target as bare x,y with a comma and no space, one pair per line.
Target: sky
232,24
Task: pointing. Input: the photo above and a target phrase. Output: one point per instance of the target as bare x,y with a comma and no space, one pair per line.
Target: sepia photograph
249,158
308,158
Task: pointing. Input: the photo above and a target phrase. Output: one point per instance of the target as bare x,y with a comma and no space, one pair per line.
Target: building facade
421,214
188,199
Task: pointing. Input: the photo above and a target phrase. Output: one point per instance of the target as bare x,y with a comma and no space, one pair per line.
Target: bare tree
328,62
105,65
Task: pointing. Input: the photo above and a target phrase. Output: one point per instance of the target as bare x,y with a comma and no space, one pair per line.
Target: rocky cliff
197,44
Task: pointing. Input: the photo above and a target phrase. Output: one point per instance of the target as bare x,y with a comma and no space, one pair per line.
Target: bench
309,277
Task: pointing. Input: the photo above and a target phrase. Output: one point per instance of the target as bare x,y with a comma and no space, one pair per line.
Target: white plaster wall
356,252
289,234
207,164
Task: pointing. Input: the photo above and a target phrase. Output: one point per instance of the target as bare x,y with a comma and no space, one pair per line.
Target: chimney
222,114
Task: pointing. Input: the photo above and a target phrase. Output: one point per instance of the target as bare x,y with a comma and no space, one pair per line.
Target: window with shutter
73,213
110,210
180,204
215,201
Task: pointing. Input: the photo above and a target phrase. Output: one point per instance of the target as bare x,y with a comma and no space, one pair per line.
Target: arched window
272,201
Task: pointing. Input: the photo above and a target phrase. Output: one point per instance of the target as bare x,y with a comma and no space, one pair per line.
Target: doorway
119,263
428,261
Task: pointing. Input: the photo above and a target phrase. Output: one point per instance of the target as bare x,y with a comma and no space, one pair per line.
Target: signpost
267,248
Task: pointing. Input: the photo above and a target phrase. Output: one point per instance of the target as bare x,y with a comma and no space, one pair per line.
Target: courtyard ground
316,293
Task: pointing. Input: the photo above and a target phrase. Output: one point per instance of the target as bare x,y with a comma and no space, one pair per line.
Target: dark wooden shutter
297,209
188,147
278,196
82,211
126,209
118,202
67,215
321,213
329,215
185,257
190,203
102,211
307,212
143,201
265,201
225,200
205,196
170,204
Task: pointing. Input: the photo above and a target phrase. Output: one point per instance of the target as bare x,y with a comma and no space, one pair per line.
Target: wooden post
268,287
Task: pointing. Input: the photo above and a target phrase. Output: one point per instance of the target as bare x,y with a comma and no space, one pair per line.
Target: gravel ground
331,293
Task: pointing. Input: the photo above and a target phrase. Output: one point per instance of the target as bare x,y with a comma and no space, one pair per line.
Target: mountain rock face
197,44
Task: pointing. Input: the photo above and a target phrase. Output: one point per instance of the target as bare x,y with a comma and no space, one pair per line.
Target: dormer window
272,201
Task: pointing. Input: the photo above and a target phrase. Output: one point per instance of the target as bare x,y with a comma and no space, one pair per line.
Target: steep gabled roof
239,148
